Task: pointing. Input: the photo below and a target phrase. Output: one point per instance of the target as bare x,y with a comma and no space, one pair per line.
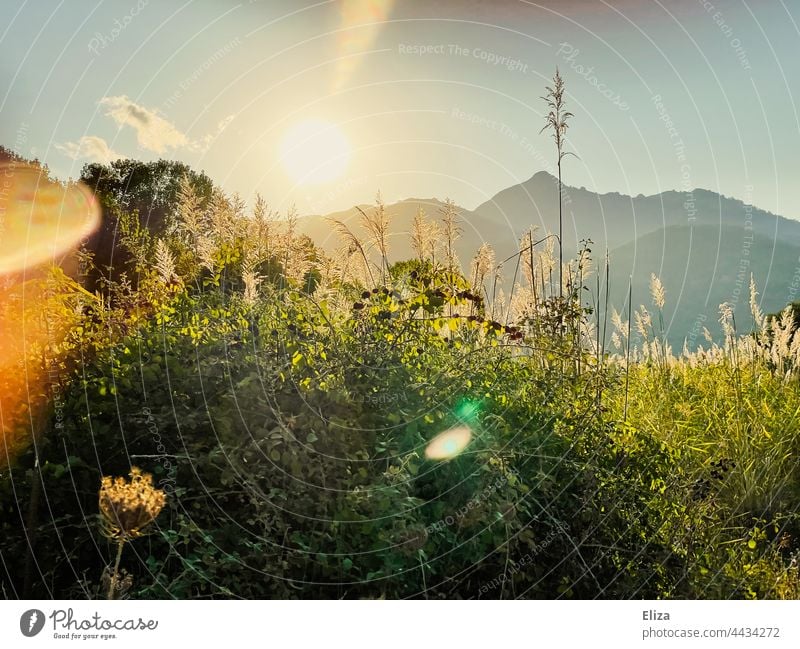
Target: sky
320,104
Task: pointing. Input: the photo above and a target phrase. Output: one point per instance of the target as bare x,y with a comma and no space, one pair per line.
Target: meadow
207,405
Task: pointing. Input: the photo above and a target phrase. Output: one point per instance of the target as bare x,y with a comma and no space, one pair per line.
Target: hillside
701,267
699,244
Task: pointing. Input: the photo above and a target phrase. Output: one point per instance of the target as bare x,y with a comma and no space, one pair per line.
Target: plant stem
112,587
628,349
560,230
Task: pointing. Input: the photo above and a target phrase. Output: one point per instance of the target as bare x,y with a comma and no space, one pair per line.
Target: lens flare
361,23
448,444
467,410
40,219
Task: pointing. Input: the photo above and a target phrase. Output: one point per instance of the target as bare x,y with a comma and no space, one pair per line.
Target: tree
147,191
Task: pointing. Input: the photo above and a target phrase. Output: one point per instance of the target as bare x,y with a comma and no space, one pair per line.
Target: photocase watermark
689,205
696,330
527,145
473,503
453,49
7,178
570,54
31,622
380,399
200,70
53,370
167,483
727,31
516,566
67,626
101,41
742,277
794,287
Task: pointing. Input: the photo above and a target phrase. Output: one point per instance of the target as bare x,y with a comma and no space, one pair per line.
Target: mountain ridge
643,235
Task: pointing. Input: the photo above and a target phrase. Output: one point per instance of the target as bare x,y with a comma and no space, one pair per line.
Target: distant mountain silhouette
701,244
701,267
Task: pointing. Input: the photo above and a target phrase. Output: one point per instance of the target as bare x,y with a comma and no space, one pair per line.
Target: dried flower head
128,507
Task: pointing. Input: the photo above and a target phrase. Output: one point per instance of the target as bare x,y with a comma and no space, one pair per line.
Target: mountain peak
542,175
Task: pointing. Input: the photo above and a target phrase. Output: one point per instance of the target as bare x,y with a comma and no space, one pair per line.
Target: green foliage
285,410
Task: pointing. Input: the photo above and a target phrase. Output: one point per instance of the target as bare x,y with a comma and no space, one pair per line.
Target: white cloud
90,147
153,132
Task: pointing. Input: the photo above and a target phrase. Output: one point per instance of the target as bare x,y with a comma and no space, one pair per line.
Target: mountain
701,267
612,219
474,230
702,245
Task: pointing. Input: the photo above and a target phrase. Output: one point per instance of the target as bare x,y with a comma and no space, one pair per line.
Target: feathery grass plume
619,325
546,263
300,260
451,231
657,291
726,320
422,235
128,508
643,321
782,332
239,224
205,252
189,209
377,226
587,332
521,305
333,270
340,267
221,218
500,307
165,262
482,263
755,309
794,351
557,120
354,246
251,282
296,252
527,257
262,227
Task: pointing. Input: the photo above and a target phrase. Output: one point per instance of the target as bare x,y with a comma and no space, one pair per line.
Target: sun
314,152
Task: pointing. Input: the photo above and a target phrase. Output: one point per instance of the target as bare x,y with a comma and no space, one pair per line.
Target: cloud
90,147
153,132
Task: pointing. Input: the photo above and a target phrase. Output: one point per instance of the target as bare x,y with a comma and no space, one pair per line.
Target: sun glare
314,152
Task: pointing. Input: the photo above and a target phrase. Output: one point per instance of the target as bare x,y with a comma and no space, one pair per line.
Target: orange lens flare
40,219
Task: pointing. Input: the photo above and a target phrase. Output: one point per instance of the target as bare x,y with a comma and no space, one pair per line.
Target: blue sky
433,99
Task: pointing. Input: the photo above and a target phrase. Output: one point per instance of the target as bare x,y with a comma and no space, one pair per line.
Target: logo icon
31,622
